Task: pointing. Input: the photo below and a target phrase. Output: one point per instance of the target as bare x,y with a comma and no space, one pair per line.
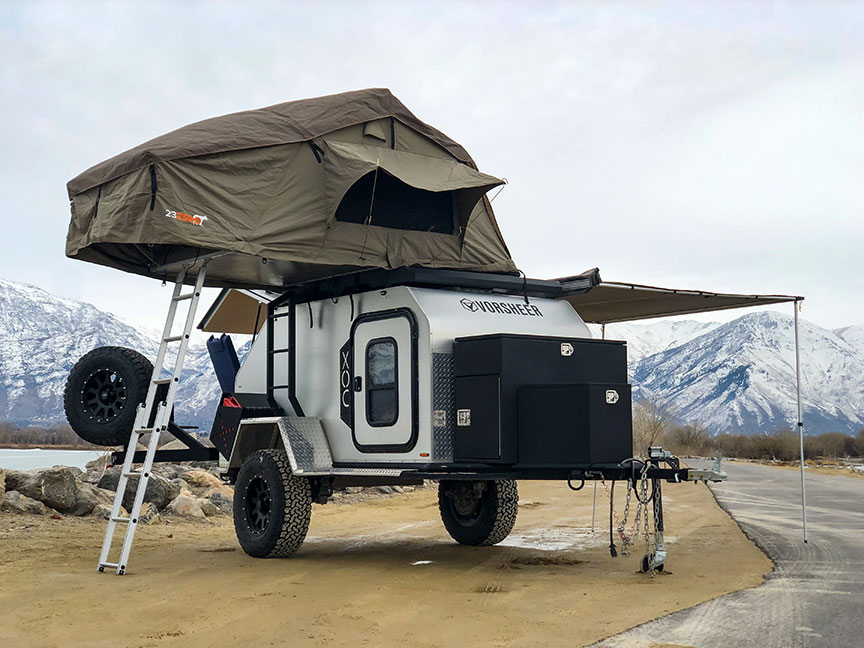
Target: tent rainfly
293,192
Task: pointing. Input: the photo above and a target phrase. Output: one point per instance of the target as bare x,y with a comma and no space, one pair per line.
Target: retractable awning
613,301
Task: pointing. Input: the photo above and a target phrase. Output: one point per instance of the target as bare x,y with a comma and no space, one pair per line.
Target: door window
382,390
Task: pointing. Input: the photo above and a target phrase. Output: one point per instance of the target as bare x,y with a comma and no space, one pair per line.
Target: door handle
358,383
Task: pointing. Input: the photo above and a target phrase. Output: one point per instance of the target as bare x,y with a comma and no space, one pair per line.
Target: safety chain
641,519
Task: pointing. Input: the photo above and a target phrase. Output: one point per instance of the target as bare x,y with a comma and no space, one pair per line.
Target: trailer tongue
393,339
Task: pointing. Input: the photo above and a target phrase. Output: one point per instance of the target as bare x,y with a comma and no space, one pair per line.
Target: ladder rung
185,296
109,564
173,338
141,431
120,519
285,350
134,473
281,386
161,381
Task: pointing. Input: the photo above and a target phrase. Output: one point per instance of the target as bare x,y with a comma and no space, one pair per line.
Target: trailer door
385,381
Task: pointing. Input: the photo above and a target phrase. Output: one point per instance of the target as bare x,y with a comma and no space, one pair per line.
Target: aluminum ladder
159,424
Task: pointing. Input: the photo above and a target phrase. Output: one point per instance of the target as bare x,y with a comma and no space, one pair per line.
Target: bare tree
691,438
651,420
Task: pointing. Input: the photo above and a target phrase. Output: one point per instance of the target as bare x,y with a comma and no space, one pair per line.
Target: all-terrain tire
272,506
103,392
486,520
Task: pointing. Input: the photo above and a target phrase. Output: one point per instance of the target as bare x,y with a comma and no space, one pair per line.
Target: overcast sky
707,145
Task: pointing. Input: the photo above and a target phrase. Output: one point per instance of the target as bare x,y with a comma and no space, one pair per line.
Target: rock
159,491
197,478
2,486
104,511
208,508
88,497
149,514
76,472
55,487
204,484
170,471
15,501
398,489
407,489
353,489
94,470
186,506
387,490
224,503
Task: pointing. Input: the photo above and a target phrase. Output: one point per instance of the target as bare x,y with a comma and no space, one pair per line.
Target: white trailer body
334,341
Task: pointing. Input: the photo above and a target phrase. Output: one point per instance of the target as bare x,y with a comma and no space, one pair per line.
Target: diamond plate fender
302,436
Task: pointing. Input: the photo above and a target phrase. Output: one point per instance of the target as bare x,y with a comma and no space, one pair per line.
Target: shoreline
42,446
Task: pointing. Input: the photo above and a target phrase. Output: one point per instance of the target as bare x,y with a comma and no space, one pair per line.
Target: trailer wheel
478,512
272,506
102,394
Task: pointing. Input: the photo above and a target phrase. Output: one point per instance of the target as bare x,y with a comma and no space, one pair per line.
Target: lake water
45,458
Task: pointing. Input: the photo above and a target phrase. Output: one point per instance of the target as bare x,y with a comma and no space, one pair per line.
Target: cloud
710,145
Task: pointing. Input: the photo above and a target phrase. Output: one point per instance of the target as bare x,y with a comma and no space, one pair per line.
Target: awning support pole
800,421
594,506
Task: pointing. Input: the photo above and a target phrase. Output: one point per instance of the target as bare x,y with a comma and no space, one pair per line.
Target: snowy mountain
737,376
644,340
740,376
42,336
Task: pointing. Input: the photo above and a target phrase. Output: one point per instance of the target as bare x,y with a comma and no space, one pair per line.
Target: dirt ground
381,572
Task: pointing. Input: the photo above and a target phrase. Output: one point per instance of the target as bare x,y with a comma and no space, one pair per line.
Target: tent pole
800,421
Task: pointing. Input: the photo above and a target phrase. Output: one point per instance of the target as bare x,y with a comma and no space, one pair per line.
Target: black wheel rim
258,505
465,506
104,395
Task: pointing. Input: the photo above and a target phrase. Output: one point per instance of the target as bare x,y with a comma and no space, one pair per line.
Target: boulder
205,484
170,471
94,470
186,506
104,511
88,497
197,478
2,486
223,502
160,491
55,487
16,502
208,508
149,514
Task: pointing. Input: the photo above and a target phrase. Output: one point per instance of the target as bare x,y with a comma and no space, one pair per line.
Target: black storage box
541,401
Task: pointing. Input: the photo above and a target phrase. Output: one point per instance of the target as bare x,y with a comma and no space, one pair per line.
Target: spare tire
102,394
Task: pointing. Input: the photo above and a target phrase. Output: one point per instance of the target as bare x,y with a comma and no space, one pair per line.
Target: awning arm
796,306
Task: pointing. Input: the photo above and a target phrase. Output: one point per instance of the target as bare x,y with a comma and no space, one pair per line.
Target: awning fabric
612,301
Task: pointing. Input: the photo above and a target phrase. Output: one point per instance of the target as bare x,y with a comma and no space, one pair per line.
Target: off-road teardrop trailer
396,343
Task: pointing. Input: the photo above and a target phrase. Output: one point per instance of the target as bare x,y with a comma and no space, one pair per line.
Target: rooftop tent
293,192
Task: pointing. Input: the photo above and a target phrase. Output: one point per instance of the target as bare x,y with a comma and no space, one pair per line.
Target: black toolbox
541,401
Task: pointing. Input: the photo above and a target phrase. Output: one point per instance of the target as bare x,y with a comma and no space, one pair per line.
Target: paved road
815,597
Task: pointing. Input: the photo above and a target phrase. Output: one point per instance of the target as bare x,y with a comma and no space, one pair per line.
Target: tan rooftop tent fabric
292,192
612,301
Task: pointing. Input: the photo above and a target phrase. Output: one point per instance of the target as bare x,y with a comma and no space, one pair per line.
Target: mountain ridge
734,376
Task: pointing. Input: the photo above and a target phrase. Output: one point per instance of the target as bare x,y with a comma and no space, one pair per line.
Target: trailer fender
302,438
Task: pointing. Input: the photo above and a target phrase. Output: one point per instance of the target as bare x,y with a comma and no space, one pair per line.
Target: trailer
394,339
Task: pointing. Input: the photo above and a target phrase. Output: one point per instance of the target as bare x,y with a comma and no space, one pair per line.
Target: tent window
397,205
